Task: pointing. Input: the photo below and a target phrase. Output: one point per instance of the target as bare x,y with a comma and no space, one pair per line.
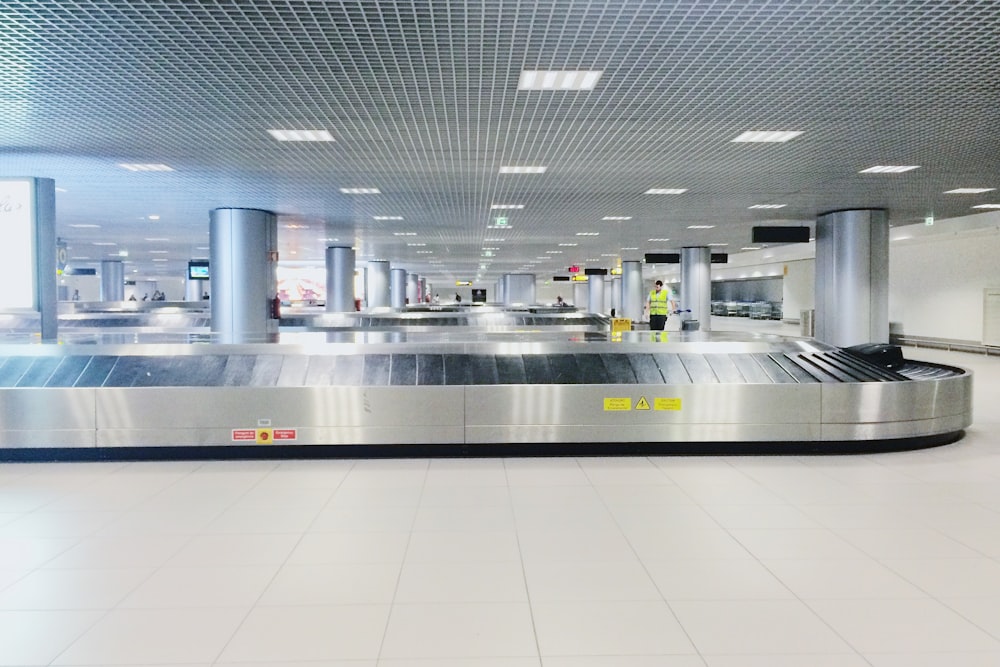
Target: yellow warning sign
620,324
666,404
265,436
617,404
642,404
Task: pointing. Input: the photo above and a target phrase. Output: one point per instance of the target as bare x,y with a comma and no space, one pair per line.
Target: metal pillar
498,290
581,295
424,289
595,299
243,256
633,294
378,284
696,286
112,280
616,295
413,292
193,289
519,289
339,279
397,288
852,277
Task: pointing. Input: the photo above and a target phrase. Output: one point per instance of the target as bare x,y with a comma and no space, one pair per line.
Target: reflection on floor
887,560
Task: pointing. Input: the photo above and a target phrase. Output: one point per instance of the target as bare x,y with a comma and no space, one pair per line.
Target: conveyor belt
400,369
743,396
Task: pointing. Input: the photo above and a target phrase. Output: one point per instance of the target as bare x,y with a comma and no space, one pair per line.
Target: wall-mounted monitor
719,258
780,235
560,279
595,272
663,258
198,270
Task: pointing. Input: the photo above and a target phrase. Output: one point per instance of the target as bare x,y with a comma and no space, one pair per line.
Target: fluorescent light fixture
588,233
701,226
85,226
665,191
104,243
541,79
387,217
294,226
987,206
542,259
750,247
79,259
158,239
157,259
301,135
135,166
518,206
658,240
416,245
766,137
617,217
716,245
404,233
154,217
968,191
568,245
361,191
768,206
61,190
158,252
425,252
493,240
523,170
888,169
609,254
629,248
902,238
553,252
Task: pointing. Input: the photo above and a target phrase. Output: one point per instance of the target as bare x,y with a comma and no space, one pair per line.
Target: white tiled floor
886,560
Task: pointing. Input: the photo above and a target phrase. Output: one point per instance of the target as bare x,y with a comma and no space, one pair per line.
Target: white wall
798,288
936,283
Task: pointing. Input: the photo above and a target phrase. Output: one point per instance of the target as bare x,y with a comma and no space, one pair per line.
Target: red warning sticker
240,434
285,434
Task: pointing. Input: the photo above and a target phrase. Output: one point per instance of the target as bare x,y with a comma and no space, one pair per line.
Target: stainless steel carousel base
469,399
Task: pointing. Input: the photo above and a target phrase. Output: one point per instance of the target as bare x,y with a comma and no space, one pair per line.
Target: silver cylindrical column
852,277
616,295
498,289
696,286
519,289
424,289
397,288
378,284
243,256
633,294
112,280
595,299
340,279
609,288
413,288
193,289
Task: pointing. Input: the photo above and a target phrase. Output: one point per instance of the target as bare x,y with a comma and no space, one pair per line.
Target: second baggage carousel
693,393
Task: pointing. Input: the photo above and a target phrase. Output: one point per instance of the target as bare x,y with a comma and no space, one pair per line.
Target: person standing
658,304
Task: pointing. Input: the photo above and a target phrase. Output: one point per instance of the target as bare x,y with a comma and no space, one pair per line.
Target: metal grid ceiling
422,100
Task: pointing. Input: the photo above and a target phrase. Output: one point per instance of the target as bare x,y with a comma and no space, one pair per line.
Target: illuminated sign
463,283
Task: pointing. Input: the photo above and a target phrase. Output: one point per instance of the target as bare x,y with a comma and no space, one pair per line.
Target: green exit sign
500,222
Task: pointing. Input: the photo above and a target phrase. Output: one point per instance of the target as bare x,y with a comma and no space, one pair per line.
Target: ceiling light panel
617,217
522,170
889,169
134,166
559,79
968,191
766,137
665,191
506,206
768,206
360,191
301,135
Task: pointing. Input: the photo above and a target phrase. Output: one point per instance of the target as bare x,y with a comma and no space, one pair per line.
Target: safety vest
658,303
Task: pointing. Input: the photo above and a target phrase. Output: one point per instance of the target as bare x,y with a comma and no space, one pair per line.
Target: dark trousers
657,322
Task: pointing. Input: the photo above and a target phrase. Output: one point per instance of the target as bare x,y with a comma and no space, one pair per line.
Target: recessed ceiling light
701,226
154,217
425,252
553,252
665,191
294,226
541,79
416,245
888,169
404,233
301,135
750,248
987,206
387,217
493,240
61,190
158,252
968,191
157,239
588,233
85,226
568,245
658,240
768,206
542,259
202,248
522,170
766,137
507,206
629,248
717,244
134,166
609,254
158,259
79,259
104,243
360,191
617,217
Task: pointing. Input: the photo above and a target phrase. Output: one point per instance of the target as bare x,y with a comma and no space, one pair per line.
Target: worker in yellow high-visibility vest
658,304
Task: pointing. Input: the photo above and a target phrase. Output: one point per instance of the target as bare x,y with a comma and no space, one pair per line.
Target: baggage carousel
320,393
